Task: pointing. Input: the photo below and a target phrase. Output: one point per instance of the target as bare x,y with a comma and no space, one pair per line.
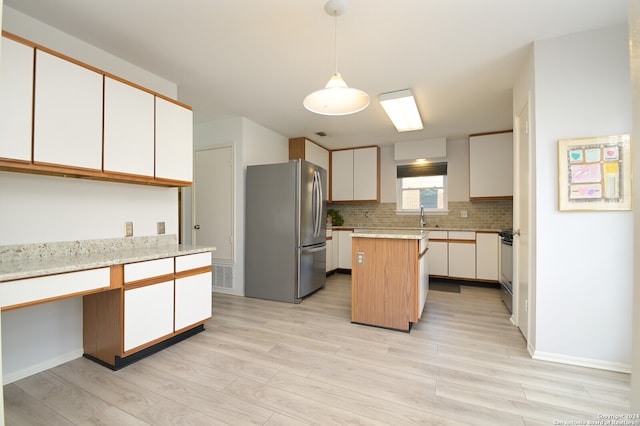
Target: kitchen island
389,279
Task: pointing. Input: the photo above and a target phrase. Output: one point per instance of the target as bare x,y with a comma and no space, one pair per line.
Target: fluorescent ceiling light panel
402,110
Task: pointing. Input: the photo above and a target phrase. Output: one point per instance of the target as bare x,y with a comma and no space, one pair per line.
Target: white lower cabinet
438,253
462,254
192,300
487,256
151,302
148,314
329,259
344,249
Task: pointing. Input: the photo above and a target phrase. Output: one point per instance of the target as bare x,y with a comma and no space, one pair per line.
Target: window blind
417,170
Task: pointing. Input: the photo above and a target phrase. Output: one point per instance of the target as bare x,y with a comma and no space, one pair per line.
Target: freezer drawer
312,270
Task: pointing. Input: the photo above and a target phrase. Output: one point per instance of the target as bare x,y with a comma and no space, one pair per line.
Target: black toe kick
123,362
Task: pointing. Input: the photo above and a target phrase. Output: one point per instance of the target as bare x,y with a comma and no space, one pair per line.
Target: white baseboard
21,374
582,362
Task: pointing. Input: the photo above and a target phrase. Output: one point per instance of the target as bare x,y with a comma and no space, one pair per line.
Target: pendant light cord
335,38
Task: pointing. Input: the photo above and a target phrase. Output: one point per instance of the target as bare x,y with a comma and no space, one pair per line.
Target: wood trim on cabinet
505,197
462,241
103,330
148,281
490,133
77,172
191,272
297,148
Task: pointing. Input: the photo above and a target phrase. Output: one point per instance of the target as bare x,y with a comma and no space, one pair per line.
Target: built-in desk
138,295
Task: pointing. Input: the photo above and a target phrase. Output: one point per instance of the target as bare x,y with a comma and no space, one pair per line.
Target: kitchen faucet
422,222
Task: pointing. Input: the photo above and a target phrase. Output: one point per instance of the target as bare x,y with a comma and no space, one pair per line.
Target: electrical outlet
360,258
160,227
463,213
128,229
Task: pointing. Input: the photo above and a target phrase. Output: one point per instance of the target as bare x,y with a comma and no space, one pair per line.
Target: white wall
634,45
42,208
253,144
584,259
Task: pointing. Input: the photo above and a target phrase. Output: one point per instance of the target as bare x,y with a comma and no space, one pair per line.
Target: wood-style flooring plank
273,363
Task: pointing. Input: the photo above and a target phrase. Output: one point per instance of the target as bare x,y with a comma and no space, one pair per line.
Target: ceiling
259,59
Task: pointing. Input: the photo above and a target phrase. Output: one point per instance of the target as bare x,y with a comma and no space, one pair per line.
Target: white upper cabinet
128,129
16,100
491,166
342,175
316,154
67,113
174,141
354,174
365,174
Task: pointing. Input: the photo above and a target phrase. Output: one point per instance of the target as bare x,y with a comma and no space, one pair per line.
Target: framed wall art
595,173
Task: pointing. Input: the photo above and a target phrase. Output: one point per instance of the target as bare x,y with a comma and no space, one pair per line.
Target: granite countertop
407,234
32,260
369,228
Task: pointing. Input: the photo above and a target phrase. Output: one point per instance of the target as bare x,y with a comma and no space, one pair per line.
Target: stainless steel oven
506,268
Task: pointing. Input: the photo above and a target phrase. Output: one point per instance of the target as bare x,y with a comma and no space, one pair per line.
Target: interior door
521,221
213,201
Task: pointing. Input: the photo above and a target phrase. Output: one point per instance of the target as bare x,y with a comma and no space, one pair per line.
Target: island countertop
406,234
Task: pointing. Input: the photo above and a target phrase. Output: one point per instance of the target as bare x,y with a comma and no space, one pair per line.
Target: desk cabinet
159,301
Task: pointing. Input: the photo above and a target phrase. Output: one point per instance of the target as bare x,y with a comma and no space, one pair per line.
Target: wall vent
223,276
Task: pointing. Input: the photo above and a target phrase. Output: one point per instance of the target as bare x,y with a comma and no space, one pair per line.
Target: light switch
160,227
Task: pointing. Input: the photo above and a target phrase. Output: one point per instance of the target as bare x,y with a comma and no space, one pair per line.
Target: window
422,185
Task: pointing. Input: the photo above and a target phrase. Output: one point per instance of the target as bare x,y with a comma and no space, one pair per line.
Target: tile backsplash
480,215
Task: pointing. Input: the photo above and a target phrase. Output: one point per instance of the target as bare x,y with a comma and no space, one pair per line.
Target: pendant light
336,98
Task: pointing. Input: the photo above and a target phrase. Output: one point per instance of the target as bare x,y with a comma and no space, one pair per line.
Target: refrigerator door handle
313,249
317,203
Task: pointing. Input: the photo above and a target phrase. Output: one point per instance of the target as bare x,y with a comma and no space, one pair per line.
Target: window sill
426,212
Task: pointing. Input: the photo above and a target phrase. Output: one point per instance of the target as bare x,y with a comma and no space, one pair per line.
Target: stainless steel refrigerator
285,230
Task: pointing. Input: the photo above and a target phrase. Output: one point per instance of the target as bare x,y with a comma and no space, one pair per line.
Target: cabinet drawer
438,235
193,261
462,235
148,269
53,286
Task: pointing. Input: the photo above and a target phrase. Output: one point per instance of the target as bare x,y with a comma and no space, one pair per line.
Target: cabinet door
487,255
316,154
438,258
342,175
128,129
330,266
344,249
462,259
193,300
16,100
365,174
491,165
174,141
67,113
148,314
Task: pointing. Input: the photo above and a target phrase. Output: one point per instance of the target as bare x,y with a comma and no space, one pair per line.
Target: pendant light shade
336,98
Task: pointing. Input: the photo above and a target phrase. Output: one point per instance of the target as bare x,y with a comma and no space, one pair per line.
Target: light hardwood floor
263,362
